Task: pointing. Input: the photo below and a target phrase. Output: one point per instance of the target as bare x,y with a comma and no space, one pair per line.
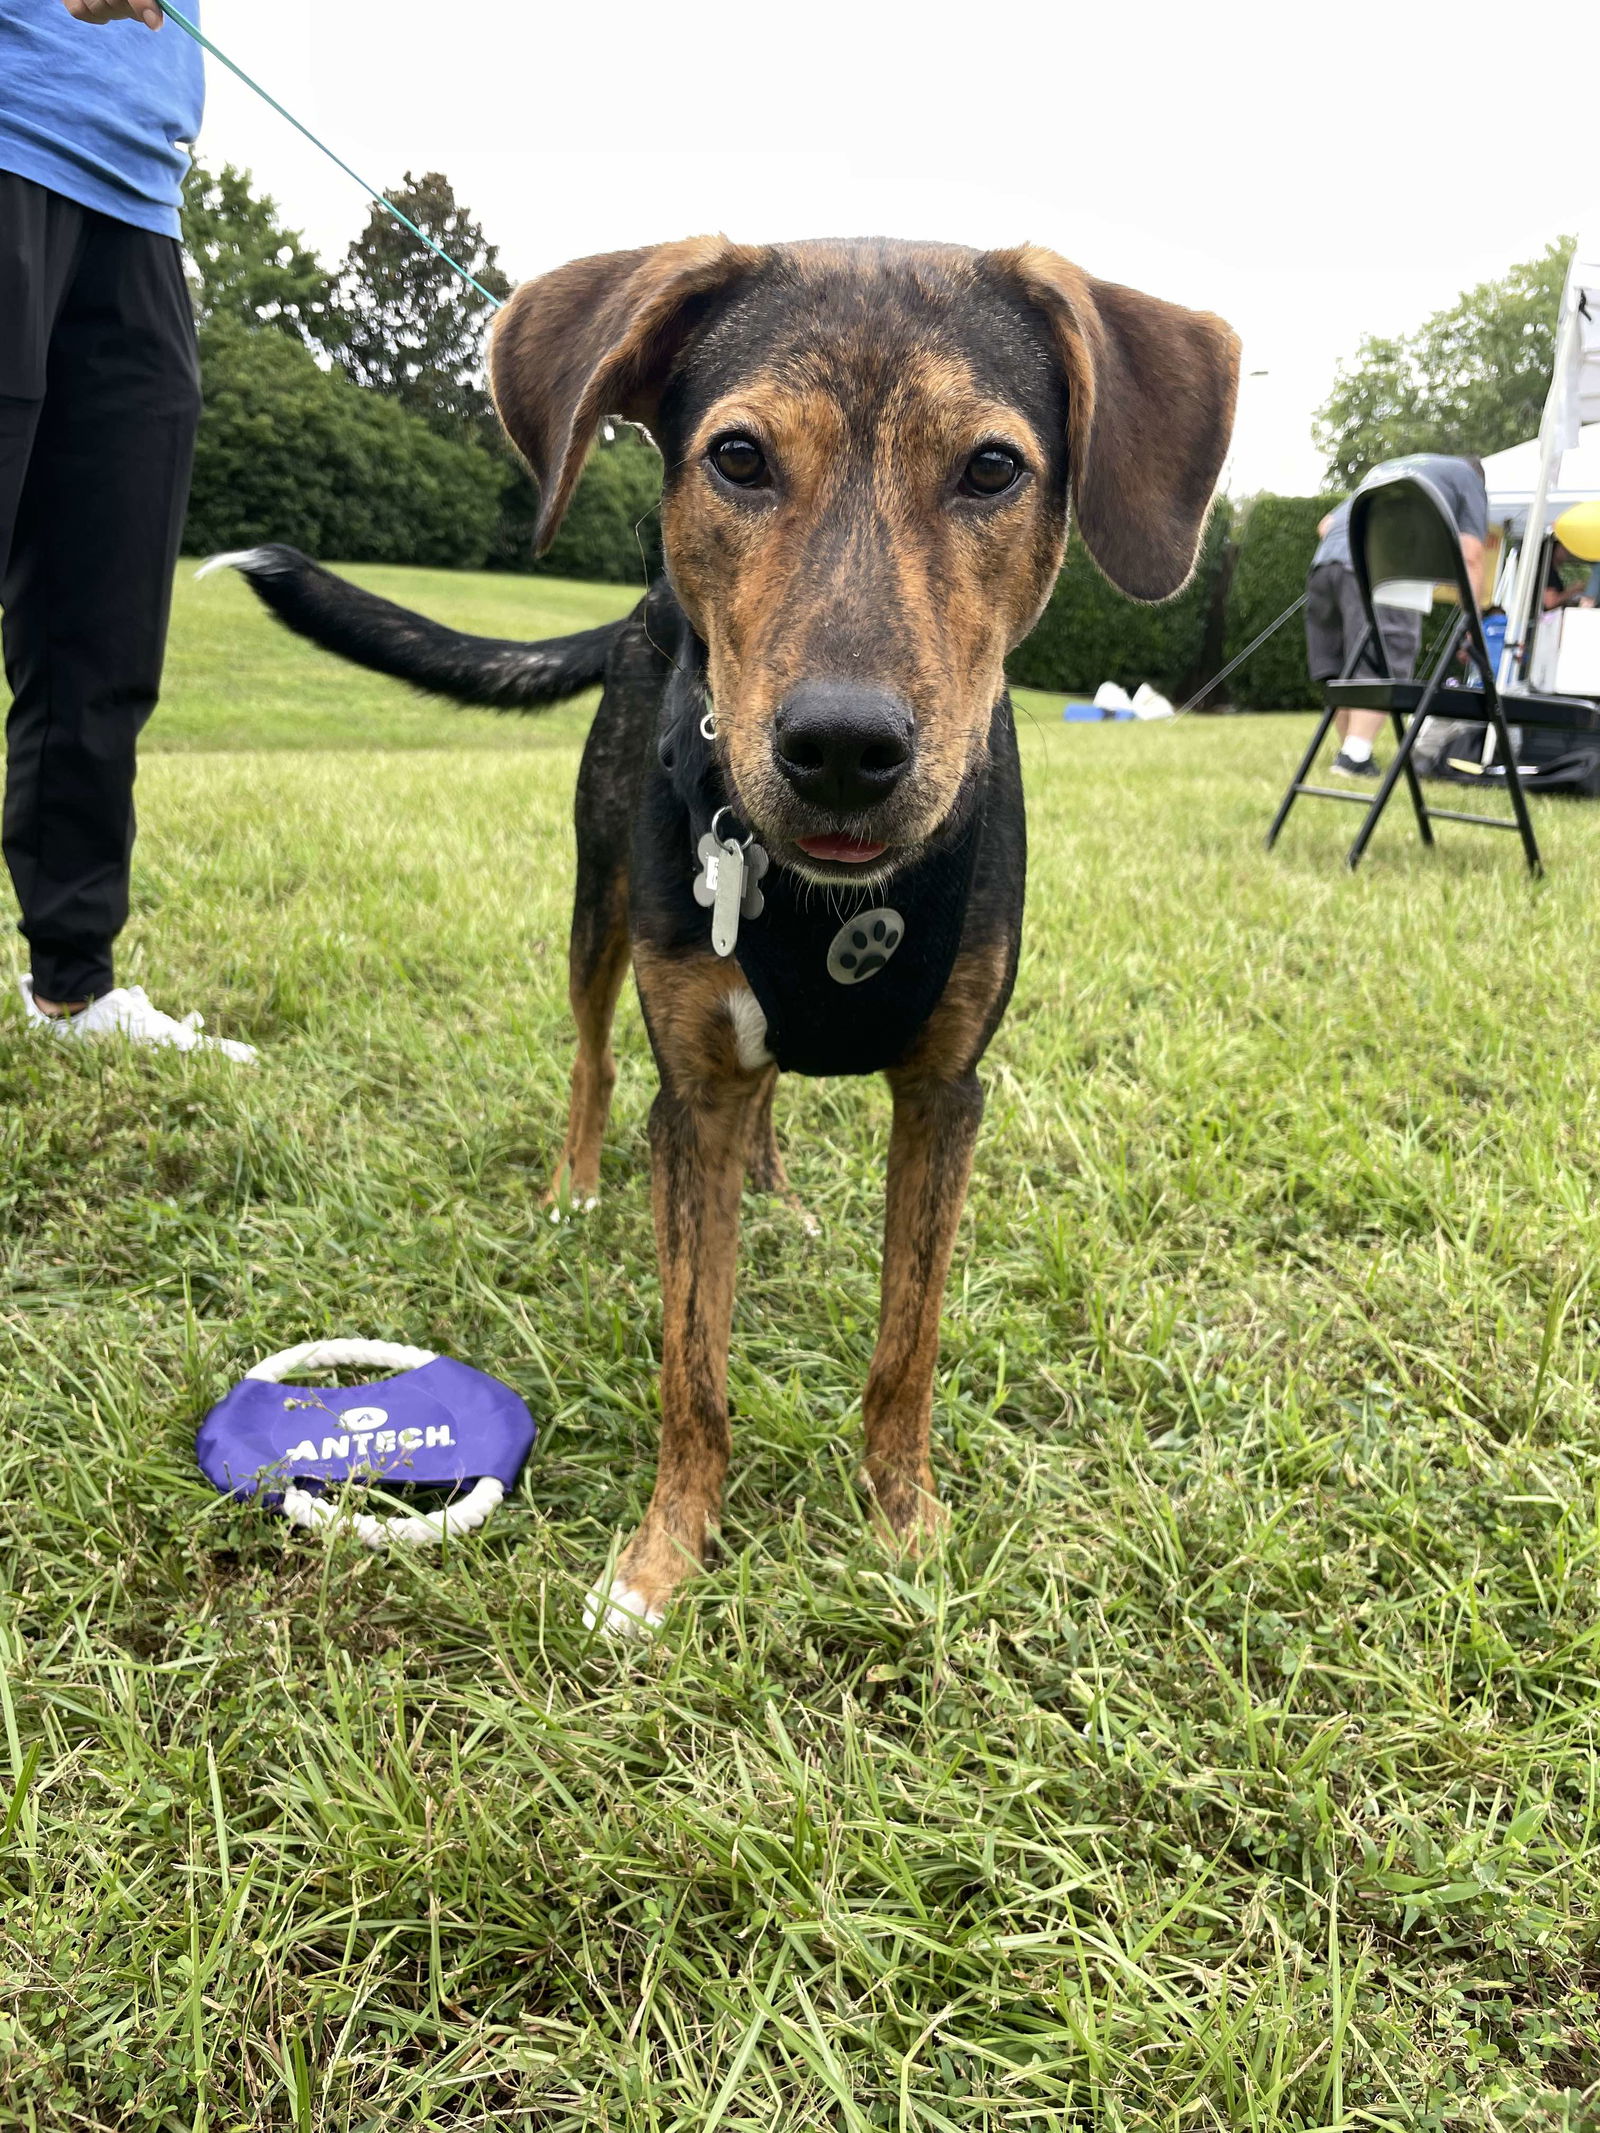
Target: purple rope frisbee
436,1424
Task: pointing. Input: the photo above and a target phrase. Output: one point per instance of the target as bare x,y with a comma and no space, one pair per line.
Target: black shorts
1336,622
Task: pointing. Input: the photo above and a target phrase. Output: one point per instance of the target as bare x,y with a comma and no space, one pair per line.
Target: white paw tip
571,1209
622,1612
811,1226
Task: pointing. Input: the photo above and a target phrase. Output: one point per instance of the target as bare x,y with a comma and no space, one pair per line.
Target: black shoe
1346,766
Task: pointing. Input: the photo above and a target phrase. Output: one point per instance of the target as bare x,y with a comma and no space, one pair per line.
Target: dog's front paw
651,1568
624,1611
561,1211
906,1511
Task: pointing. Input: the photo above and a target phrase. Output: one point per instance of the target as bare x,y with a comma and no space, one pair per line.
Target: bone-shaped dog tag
756,863
729,894
705,882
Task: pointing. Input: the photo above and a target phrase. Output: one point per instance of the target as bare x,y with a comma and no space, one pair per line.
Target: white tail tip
245,559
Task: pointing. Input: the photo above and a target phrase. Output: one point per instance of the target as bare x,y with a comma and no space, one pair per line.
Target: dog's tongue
851,851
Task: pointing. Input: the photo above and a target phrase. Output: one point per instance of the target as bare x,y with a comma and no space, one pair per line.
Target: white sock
1357,750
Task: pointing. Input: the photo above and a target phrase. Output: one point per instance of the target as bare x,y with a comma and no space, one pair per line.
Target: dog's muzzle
843,748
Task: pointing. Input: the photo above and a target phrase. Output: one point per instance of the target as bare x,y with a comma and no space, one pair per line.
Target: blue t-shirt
1461,488
100,113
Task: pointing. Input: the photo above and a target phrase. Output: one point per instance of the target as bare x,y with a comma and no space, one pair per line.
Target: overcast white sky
1313,173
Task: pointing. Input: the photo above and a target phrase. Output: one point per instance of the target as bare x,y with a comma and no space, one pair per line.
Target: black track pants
99,398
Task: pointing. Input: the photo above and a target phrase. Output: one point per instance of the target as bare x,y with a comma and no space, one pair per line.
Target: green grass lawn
1235,1766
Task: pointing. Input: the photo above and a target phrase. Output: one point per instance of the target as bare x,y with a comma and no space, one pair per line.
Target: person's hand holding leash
145,11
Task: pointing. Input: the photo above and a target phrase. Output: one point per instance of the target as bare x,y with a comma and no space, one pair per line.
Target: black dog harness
845,977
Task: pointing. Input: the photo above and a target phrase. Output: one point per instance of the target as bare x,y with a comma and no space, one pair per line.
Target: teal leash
372,192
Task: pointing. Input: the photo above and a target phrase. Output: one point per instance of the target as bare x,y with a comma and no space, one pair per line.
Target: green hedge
1091,633
612,530
1276,542
290,452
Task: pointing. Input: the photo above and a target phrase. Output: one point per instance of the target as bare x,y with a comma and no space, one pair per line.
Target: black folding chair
1402,528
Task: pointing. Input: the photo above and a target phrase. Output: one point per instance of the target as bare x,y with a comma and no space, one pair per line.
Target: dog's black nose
844,747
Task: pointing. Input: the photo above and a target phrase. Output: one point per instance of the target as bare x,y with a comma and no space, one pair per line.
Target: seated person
1564,591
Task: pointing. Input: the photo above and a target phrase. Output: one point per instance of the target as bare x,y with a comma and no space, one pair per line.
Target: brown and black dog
870,449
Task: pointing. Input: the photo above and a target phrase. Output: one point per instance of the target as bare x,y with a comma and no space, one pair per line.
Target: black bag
1549,758
1443,740
1556,759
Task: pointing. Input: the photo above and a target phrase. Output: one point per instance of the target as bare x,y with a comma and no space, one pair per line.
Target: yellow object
1578,531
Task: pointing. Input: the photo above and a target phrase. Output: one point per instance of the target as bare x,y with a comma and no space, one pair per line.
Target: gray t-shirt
1456,482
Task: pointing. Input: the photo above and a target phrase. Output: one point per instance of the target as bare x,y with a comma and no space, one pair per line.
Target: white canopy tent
1513,475
1574,402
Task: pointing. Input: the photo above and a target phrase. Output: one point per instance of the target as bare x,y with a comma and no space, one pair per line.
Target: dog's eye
990,471
739,460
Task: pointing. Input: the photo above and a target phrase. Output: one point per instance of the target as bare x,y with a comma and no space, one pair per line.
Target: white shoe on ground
1112,696
1150,703
127,1012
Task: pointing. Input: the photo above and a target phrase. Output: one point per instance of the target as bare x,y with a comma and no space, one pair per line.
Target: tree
244,265
1472,378
291,451
410,327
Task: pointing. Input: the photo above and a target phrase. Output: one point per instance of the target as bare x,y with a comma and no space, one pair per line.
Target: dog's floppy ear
594,338
1150,397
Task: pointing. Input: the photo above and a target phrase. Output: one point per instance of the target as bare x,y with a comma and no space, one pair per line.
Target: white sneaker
127,1012
1112,696
1149,703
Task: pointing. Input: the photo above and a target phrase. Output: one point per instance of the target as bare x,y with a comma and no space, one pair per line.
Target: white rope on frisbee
421,1529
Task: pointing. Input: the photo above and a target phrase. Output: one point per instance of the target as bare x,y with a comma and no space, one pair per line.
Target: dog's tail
342,618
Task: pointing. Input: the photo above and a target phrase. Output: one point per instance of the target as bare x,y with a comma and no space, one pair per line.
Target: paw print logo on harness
863,945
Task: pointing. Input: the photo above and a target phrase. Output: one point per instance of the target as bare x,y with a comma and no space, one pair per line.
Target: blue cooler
1494,637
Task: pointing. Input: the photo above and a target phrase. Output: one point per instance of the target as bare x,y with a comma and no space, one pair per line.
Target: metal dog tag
729,896
756,863
729,886
709,852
